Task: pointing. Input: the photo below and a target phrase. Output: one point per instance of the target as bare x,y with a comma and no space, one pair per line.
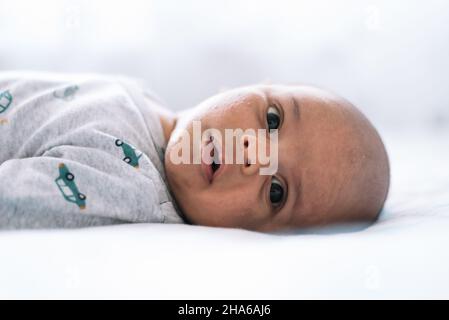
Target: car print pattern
129,152
5,100
66,184
67,93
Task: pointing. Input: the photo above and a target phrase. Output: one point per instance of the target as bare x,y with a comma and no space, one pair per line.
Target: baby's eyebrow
295,107
294,188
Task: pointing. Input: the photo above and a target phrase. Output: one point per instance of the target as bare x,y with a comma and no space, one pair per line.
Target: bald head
367,173
354,165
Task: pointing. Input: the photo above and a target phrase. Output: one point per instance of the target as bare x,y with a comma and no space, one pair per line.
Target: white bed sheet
404,255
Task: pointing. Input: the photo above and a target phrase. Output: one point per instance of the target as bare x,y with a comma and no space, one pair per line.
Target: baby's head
332,166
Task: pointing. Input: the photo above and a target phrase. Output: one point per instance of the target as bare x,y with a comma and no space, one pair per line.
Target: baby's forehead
305,95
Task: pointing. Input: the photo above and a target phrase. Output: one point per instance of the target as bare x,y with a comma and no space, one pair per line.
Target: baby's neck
167,119
168,122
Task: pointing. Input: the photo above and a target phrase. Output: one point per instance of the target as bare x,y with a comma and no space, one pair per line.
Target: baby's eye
273,118
276,191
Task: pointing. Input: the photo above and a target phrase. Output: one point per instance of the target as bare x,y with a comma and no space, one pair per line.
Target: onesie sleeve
75,186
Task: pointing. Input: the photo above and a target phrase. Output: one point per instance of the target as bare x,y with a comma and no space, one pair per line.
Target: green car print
5,101
131,157
67,93
68,188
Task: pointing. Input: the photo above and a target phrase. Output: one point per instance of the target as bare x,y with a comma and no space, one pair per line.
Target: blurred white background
390,58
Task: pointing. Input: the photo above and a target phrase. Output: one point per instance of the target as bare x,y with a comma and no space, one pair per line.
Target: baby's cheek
243,214
237,114
226,211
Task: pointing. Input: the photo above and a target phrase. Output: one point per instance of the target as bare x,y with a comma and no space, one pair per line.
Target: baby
84,150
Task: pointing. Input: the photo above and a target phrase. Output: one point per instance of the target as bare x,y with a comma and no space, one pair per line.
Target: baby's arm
72,186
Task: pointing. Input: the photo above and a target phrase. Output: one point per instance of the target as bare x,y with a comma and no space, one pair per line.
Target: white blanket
404,255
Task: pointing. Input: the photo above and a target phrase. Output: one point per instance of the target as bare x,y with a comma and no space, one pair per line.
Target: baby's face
331,164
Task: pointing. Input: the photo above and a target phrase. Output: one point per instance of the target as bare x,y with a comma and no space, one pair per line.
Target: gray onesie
80,150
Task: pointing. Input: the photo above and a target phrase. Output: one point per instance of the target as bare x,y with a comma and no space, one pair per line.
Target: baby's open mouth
211,169
215,165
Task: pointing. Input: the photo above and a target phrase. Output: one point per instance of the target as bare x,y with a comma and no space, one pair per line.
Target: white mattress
404,255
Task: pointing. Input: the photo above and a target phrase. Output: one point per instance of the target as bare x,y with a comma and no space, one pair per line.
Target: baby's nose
250,164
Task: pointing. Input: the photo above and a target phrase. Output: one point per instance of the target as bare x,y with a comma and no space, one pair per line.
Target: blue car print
67,93
131,157
68,188
5,100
